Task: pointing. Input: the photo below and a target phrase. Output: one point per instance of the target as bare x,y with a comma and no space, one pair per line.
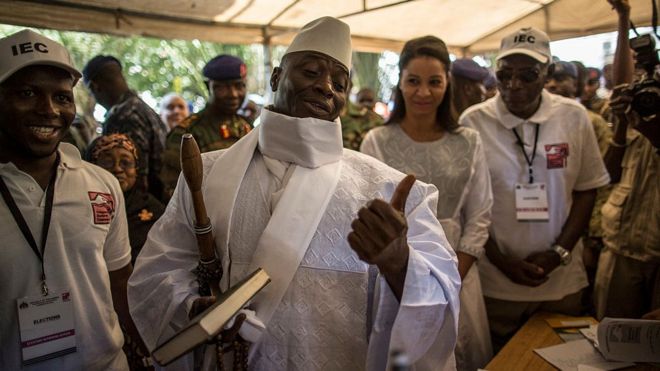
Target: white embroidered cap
326,35
529,41
27,48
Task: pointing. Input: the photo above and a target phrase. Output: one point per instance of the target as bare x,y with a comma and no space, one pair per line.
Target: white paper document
631,340
578,355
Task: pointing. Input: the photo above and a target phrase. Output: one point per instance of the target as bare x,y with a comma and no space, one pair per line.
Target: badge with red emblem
557,155
103,207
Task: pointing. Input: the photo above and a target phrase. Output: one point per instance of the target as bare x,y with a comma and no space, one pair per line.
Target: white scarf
307,142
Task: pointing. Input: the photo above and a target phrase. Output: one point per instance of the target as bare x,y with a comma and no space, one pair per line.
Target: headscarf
110,141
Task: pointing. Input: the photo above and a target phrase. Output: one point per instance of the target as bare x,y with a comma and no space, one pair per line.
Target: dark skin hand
118,285
519,271
535,268
379,236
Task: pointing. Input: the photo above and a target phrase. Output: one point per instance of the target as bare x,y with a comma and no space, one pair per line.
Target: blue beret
563,68
225,67
94,65
468,69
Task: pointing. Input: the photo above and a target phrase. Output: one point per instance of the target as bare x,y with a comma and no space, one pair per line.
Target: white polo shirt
88,237
567,159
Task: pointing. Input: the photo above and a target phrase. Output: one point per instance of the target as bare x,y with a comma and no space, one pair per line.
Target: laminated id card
46,326
532,202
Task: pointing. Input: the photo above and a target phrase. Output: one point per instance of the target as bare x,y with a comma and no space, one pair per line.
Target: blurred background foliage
155,67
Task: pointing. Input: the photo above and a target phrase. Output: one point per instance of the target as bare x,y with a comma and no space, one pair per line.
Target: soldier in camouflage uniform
128,114
356,120
218,125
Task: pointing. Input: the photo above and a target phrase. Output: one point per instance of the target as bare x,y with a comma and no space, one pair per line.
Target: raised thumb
401,192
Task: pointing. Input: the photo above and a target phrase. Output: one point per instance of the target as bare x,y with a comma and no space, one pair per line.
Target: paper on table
568,356
632,340
591,333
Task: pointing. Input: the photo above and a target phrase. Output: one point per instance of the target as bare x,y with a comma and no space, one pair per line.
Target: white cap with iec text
529,41
325,35
27,48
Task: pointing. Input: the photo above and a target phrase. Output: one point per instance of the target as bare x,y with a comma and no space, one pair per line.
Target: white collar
308,142
509,120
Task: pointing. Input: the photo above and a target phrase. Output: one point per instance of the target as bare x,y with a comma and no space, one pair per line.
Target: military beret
468,69
95,64
563,68
593,74
225,67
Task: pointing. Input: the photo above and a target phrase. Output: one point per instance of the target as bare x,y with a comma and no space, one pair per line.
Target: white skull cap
326,35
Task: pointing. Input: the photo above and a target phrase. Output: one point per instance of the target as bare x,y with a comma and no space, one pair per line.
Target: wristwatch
564,255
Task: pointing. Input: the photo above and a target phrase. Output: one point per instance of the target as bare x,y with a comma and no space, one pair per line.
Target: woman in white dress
422,137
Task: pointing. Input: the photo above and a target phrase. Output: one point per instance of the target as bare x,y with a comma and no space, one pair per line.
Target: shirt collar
510,121
69,156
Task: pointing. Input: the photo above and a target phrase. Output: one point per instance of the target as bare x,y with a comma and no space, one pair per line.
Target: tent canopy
467,26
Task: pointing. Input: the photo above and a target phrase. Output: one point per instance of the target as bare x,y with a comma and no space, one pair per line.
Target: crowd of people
485,196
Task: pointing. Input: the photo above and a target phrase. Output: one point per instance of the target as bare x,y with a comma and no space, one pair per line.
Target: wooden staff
209,270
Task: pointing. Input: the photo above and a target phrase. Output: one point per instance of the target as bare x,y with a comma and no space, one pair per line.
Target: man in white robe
350,283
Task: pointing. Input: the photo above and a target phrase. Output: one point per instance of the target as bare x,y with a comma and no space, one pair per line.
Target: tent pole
268,62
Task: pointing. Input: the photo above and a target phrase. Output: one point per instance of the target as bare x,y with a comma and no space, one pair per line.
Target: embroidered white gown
326,319
455,164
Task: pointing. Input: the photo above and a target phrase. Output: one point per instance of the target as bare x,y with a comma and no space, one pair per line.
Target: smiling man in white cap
65,255
545,167
286,198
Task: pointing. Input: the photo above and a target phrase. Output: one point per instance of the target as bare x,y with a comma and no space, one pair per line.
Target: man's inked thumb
401,192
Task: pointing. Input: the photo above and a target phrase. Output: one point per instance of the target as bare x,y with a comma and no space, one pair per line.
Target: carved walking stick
209,269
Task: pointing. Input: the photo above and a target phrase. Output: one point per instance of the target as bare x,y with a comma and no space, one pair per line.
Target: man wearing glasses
545,167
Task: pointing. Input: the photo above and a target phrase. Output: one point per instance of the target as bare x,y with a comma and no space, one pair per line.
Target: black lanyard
522,147
20,220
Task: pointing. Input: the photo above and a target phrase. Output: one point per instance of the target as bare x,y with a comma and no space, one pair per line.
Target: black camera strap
654,20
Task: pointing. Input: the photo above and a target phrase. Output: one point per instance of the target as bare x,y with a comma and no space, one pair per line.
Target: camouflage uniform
603,136
210,136
136,119
595,104
355,122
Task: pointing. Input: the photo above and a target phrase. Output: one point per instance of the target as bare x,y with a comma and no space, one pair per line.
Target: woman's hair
426,46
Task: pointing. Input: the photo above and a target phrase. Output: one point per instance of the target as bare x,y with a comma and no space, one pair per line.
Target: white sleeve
425,322
117,247
593,173
476,212
162,284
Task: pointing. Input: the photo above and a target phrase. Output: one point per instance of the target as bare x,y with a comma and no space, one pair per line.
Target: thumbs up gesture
379,233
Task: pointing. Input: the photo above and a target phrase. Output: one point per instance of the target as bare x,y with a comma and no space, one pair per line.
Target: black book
207,325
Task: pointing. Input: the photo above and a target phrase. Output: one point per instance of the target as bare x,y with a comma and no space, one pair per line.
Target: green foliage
161,66
365,71
153,65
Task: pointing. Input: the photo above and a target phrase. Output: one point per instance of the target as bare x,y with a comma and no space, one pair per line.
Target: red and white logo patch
557,155
103,207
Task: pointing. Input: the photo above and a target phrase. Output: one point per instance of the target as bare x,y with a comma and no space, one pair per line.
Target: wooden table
518,353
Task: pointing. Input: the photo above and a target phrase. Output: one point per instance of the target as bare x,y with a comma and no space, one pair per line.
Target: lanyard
22,224
522,148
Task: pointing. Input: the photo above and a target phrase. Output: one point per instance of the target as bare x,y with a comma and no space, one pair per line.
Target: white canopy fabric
467,26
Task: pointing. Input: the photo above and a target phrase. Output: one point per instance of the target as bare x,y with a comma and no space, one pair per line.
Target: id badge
46,327
532,202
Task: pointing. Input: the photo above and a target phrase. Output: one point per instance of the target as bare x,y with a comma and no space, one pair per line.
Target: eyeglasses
526,76
108,163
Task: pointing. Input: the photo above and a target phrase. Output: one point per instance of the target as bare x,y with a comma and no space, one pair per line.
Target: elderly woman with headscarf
117,154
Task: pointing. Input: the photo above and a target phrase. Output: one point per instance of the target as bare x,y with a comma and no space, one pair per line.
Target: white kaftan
326,319
456,165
